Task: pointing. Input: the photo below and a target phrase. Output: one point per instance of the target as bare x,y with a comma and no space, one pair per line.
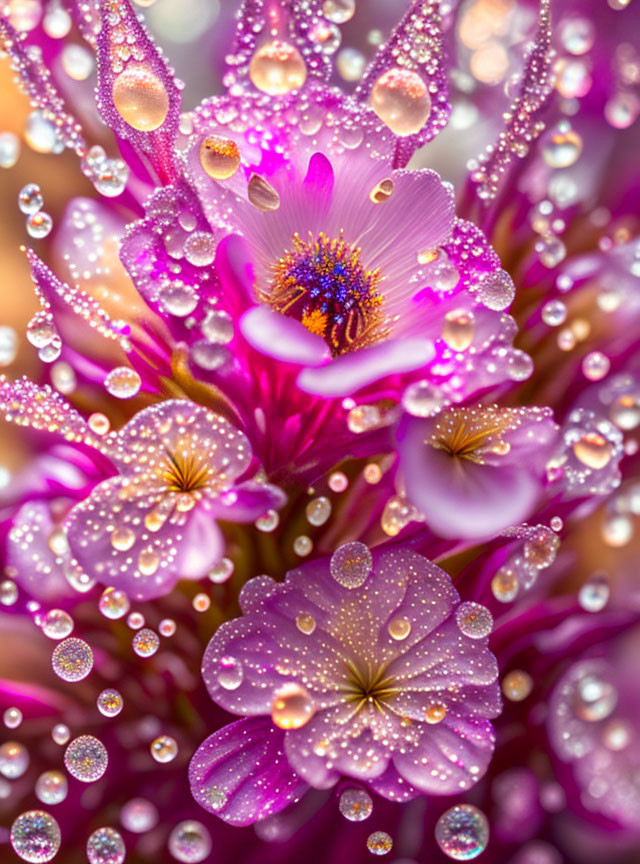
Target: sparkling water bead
189,842
355,805
52,787
219,157
39,225
292,706
60,733
14,759
123,382
401,100
462,832
459,329
517,685
57,624
164,748
277,68
351,564
114,603
35,836
140,98
146,642
86,758
222,571
379,843
318,511
30,199
338,11
105,846
139,816
593,596
110,703
474,620
72,659
12,718
230,673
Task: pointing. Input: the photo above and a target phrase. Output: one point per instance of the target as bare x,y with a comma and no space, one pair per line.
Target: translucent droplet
302,545
105,846
35,836
30,199
201,602
139,816
617,531
541,549
39,224
52,787
519,365
135,621
99,423
318,511
122,539
8,592
219,157
593,596
595,366
164,748
505,585
12,718
422,399
577,34
338,481
355,805
217,797
338,11
167,627
435,713
277,68
551,250
459,329
14,759
268,522
179,301
217,327
229,673
222,571
146,642
496,290
351,564
57,624
208,355
397,514
625,411
262,194
9,149
86,758
72,659
562,147
595,698
60,733
474,620
123,382
379,843
382,191
399,628
292,706
351,64
401,100
140,98
462,832
593,450
114,603
554,313
110,702
517,685
189,842
305,623
200,249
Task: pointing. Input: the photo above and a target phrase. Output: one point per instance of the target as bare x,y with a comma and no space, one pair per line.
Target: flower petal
281,337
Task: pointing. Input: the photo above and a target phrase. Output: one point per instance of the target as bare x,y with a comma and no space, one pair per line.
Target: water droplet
268,522
517,685
110,702
123,539
339,11
164,748
139,816
401,100
86,758
399,628
262,194
318,511
277,68
593,596
496,290
72,659
382,191
14,759
422,399
593,450
554,313
292,706
30,199
60,733
35,836
562,147
39,224
541,548
338,481
135,621
123,382
229,673
178,300
9,149
167,627
189,842
146,642
219,157
105,846
140,98
12,718
355,805
351,564
435,713
505,585
459,329
52,787
57,624
462,832
200,249
625,411
302,545
595,366
595,698
217,327
305,623
474,620
222,571
379,843
114,603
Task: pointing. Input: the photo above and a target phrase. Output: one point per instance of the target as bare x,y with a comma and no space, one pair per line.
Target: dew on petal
140,98
517,685
60,733
305,623
114,603
399,628
12,718
219,157
292,706
351,564
277,68
474,620
229,673
401,100
123,382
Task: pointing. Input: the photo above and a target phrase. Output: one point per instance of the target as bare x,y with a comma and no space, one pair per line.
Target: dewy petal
281,337
350,372
241,774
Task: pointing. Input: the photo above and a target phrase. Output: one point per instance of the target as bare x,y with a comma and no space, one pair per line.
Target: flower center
184,472
468,433
322,283
366,684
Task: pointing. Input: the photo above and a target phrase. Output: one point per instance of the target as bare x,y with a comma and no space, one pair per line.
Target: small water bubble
517,685
222,571
57,624
268,522
39,225
217,327
189,842
86,758
8,592
35,836
9,149
60,733
338,11
399,628
12,718
72,659
139,816
30,199
135,620
595,698
379,843
474,620
355,805
14,759
462,832
105,846
146,642
505,585
123,382
305,623
164,748
338,481
302,545
110,702
496,290
292,706
595,366
167,627
554,313
318,511
114,603
351,564
52,787
230,673
593,596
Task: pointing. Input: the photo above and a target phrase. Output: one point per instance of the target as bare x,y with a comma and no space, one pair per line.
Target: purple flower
474,471
155,521
357,667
